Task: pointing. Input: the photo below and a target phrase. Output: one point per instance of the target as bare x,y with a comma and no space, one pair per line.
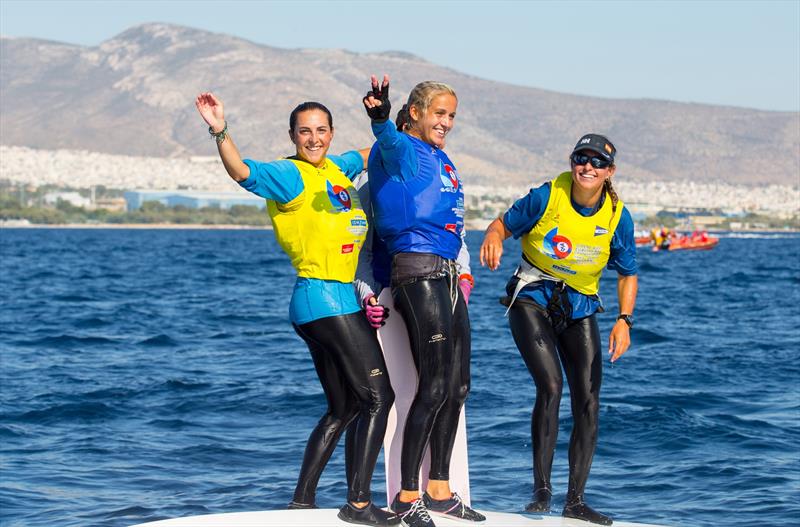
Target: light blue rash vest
280,181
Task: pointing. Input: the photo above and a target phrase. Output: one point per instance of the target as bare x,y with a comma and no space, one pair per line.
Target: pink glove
376,314
466,289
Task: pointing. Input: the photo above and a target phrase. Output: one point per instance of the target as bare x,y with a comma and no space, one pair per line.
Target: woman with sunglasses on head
418,206
320,225
571,228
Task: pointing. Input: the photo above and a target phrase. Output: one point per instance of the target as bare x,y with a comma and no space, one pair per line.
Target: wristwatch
627,318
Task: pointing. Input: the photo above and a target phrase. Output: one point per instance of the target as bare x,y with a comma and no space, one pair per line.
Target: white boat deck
328,518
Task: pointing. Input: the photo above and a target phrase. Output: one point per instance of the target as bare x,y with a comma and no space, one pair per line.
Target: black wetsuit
425,291
350,366
547,340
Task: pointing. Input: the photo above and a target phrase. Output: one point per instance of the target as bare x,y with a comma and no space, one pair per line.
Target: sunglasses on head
596,161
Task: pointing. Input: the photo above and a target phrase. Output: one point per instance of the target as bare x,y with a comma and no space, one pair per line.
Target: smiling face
587,181
436,121
312,136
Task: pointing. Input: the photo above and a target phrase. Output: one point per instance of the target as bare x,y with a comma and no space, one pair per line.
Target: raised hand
211,110
376,101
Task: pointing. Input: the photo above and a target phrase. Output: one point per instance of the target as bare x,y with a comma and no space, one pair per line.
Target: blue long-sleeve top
529,209
374,261
280,181
399,159
418,202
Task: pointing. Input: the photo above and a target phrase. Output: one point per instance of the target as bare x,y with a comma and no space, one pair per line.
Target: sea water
148,374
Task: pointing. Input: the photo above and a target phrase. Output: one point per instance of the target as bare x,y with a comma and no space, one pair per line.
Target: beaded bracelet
221,135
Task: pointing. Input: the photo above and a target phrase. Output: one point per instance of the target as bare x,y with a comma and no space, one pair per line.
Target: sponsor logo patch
358,226
450,180
339,197
564,269
598,230
347,248
449,176
556,246
437,338
450,227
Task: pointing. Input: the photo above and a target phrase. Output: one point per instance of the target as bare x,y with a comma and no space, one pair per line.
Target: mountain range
134,95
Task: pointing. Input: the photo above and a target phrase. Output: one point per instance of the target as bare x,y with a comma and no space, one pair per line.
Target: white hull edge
328,518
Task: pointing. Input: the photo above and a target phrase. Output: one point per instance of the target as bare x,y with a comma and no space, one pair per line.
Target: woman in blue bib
319,223
571,228
418,208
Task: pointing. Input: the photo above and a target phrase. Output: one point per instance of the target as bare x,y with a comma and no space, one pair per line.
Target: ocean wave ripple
154,374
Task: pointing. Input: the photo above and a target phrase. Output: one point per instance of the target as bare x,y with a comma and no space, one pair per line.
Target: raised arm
212,111
492,247
620,338
376,101
397,152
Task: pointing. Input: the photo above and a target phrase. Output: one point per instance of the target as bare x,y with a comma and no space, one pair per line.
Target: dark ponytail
403,118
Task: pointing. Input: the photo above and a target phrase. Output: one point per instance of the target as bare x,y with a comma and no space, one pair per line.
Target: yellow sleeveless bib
569,246
323,229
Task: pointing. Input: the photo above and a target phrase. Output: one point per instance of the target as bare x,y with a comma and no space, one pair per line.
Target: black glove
379,113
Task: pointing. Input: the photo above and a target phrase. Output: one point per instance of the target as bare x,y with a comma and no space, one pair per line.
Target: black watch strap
627,318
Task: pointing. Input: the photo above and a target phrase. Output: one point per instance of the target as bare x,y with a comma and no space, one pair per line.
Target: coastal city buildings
193,199
201,181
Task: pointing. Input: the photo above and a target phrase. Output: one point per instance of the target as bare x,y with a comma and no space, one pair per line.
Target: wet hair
607,183
306,106
611,194
423,94
403,119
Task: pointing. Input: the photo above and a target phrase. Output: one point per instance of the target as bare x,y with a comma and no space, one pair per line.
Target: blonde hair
423,94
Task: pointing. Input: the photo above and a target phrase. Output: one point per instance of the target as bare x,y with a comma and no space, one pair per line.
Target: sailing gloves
381,94
466,289
376,314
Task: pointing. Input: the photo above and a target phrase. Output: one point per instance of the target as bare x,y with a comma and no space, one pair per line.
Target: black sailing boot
541,500
296,505
576,508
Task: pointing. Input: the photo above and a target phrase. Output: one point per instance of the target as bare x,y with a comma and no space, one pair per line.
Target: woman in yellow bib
571,229
319,223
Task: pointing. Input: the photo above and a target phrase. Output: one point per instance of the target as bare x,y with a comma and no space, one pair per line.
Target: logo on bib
598,230
340,198
556,246
449,177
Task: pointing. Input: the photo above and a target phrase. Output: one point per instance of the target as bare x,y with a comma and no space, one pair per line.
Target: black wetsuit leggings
577,349
350,366
440,345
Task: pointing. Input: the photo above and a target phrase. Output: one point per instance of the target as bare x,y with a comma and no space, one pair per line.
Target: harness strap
529,274
452,271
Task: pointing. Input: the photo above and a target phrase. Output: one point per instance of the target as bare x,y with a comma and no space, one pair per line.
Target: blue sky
737,53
